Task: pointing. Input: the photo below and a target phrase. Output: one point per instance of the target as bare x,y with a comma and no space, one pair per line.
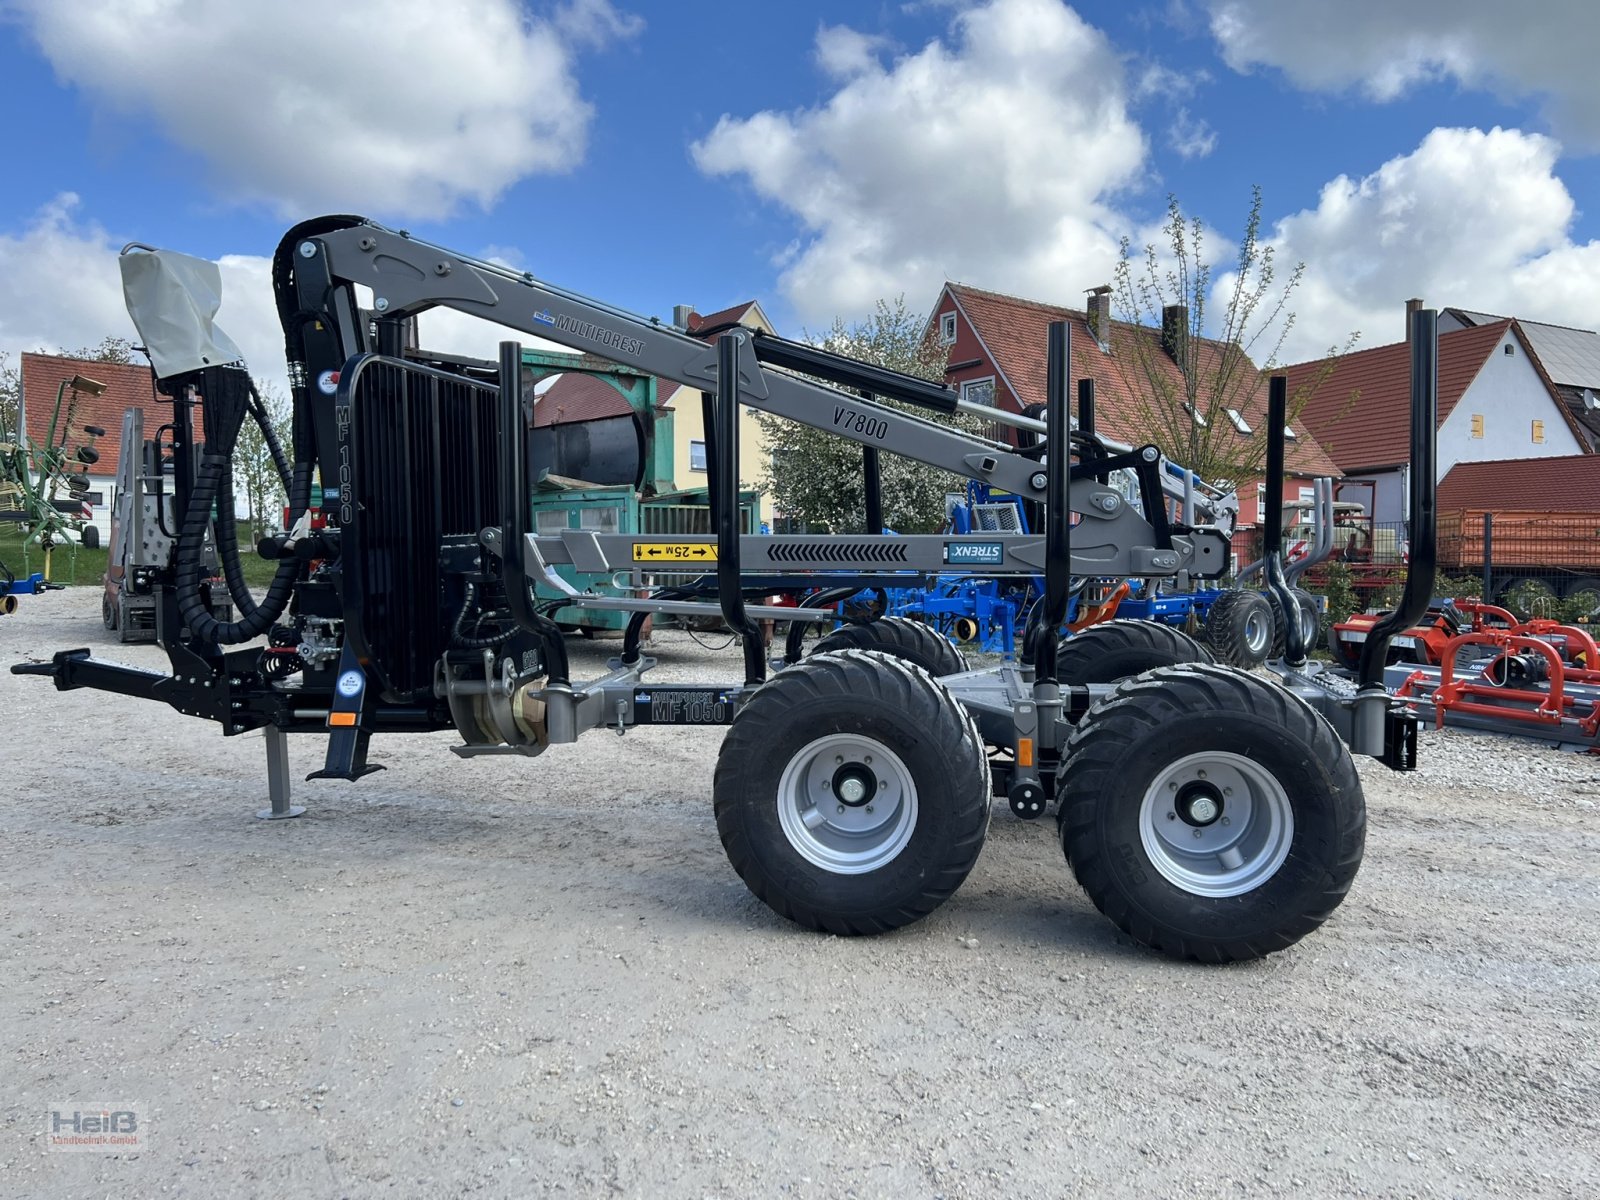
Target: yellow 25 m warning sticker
674,552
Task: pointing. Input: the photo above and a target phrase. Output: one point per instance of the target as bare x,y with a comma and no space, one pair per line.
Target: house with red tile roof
576,397
1569,356
997,345
1567,484
1495,403
126,386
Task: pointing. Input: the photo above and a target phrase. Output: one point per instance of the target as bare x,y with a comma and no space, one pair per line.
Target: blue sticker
977,554
544,318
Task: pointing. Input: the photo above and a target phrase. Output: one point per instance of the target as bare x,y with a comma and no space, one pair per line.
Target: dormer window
1239,422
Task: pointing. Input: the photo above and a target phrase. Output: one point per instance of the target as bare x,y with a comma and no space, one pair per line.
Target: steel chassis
362,421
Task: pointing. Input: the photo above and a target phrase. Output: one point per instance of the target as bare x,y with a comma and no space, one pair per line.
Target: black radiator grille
423,469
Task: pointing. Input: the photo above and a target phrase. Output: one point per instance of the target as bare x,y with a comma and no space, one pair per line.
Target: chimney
1175,332
1099,315
1412,305
681,314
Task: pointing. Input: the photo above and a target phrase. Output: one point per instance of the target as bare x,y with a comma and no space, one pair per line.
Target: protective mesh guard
423,454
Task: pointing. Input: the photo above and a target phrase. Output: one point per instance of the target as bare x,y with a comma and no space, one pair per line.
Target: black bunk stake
1086,407
516,502
1294,645
872,476
1037,719
1422,527
722,477
1045,635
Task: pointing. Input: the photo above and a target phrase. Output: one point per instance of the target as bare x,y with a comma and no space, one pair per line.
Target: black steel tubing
1045,636
847,371
1294,646
1086,406
872,476
515,505
1422,526
722,467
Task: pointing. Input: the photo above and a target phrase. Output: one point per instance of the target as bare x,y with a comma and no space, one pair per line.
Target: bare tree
254,473
1185,381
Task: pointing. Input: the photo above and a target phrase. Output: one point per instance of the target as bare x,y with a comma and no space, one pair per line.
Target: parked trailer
1209,812
1530,554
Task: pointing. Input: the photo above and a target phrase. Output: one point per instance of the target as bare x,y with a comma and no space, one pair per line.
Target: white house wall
1388,494
1510,396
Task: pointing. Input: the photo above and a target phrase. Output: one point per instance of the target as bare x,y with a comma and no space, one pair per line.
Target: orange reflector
1024,752
341,718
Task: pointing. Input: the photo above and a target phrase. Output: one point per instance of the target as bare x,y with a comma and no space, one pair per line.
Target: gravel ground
504,977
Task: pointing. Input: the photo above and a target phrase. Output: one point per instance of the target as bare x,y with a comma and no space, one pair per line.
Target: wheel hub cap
847,803
1216,824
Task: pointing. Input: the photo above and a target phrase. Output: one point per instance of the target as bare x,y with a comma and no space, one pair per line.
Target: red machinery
1536,678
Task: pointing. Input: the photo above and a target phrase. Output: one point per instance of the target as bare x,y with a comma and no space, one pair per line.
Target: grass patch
77,567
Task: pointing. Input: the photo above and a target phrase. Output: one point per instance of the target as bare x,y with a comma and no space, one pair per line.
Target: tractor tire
1528,596
1211,814
1240,629
1310,622
1582,597
900,638
1116,650
852,793
108,613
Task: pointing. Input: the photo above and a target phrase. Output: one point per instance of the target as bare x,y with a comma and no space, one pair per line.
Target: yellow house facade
688,416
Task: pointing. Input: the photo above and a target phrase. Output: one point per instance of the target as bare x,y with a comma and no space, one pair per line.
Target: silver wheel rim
1258,632
1216,824
847,804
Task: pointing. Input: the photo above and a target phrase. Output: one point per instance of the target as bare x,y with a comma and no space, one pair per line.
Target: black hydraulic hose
280,460
1423,490
228,548
223,389
461,640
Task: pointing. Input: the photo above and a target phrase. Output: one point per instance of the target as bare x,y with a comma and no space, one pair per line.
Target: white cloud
362,105
1430,224
992,158
1386,48
62,286
844,52
1191,136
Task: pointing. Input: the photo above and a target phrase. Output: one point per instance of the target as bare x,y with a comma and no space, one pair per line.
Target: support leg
278,778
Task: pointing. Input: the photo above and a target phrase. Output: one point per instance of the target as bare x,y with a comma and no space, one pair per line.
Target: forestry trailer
1208,812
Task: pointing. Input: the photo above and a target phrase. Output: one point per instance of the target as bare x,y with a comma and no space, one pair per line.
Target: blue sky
814,157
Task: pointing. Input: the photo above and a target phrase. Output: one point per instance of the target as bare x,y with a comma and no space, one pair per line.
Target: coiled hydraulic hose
225,390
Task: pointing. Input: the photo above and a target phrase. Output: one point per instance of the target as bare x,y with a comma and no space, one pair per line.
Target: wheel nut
1225,821
1200,774
841,810
1197,833
869,808
1172,816
826,784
